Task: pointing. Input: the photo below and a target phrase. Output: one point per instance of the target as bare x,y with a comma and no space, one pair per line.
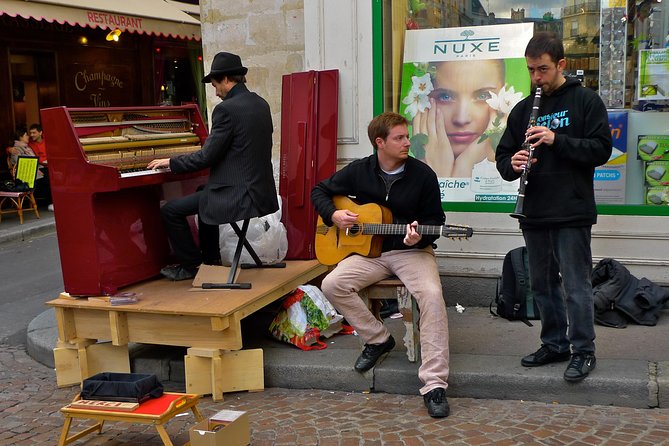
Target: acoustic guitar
366,237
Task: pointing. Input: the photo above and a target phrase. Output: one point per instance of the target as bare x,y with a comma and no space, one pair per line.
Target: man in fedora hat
238,152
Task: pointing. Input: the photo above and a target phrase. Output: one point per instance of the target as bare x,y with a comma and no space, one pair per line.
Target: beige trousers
417,269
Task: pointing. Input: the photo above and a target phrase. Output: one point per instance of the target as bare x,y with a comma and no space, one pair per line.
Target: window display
613,42
618,48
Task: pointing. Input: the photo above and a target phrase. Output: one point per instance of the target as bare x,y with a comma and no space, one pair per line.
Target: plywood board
163,296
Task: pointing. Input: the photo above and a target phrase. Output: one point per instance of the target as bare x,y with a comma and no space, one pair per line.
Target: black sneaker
579,367
179,272
544,356
371,354
436,403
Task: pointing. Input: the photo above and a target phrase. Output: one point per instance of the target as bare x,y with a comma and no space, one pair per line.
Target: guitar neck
397,229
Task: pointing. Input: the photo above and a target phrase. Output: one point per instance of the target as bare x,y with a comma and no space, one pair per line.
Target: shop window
602,48
179,72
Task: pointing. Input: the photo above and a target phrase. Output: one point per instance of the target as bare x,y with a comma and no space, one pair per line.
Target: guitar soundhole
354,230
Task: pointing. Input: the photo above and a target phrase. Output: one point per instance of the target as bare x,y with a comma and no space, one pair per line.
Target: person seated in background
20,148
38,145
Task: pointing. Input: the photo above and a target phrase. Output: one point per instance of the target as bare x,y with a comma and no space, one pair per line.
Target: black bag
514,298
124,387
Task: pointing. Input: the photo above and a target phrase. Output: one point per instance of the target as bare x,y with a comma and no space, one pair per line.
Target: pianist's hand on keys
162,163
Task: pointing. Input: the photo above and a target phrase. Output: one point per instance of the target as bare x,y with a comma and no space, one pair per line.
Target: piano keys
107,204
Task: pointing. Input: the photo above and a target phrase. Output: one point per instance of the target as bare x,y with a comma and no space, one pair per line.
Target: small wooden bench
393,288
156,411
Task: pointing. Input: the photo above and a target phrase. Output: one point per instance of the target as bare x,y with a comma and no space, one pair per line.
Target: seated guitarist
409,188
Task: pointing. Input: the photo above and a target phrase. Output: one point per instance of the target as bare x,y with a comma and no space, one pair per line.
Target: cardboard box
226,428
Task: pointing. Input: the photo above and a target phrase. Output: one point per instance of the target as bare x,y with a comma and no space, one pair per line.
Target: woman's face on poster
461,89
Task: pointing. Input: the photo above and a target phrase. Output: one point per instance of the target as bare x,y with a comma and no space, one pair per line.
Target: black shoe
179,272
436,403
544,356
579,367
371,354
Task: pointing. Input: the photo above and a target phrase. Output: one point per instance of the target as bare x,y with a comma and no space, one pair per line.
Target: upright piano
107,204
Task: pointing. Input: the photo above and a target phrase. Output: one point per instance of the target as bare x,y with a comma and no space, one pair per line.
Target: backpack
514,298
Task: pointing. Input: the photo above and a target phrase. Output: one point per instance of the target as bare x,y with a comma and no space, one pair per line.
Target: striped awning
156,17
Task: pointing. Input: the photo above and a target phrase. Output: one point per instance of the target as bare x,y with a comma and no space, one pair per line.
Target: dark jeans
560,262
174,214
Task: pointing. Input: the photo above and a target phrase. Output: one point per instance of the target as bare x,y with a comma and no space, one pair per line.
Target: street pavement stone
30,403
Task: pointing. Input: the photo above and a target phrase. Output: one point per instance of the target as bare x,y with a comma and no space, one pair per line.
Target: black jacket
560,184
619,296
239,152
415,196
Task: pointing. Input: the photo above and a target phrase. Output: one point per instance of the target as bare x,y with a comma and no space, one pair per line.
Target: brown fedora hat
225,63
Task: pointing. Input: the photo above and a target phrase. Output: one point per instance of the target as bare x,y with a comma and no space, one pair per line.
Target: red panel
109,229
308,151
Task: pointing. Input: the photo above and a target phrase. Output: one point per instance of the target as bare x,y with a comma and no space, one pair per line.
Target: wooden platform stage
93,334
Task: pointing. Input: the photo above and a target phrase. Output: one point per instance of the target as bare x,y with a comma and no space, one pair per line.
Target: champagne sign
98,85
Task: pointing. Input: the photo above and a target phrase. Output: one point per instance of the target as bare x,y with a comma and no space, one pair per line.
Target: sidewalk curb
22,232
616,382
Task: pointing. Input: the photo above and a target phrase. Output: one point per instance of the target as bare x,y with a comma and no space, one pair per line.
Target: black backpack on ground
514,298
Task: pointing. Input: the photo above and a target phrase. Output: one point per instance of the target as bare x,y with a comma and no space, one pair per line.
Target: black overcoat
238,152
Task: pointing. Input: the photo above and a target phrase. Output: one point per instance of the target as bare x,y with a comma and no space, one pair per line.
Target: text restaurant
96,53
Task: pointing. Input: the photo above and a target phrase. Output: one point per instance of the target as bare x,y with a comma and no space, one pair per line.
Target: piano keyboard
140,172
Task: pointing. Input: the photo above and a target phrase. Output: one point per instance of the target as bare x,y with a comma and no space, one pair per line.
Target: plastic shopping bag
305,316
267,236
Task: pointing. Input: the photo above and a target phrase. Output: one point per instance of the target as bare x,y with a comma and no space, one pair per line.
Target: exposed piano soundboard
107,203
128,141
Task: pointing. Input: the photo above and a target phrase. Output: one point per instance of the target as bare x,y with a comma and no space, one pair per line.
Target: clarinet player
571,137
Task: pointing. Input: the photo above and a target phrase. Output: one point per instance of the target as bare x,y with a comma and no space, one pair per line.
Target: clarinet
518,211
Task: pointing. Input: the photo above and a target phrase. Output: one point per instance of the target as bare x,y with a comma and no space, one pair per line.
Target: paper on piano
212,274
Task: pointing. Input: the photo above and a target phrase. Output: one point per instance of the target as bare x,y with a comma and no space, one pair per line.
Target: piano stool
16,200
207,322
394,288
156,411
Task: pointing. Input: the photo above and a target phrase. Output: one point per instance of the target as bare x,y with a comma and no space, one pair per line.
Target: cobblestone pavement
30,403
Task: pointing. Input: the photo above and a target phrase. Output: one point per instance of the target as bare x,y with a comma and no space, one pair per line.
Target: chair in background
13,202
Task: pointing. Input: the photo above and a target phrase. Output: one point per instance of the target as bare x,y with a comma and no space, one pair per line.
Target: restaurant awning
155,17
